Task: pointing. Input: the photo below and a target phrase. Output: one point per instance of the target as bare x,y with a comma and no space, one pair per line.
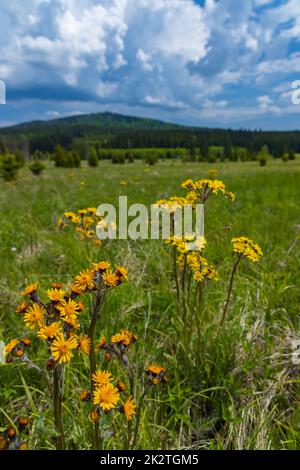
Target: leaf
28,394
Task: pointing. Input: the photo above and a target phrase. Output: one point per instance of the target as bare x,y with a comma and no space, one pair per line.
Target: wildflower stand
192,271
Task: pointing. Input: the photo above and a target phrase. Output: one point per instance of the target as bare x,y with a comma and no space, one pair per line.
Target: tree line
46,138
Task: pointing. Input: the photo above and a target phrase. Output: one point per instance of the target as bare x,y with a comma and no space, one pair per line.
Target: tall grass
246,399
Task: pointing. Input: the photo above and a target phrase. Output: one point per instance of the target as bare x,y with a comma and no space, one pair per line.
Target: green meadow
240,389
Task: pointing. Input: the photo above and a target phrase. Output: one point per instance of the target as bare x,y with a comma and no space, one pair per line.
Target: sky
216,63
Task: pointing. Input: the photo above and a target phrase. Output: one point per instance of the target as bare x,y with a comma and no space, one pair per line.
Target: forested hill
111,130
90,123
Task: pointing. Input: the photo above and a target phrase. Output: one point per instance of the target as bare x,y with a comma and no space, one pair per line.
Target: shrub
66,159
212,157
151,159
263,156
129,157
76,159
20,158
9,167
118,158
92,158
262,161
241,154
60,156
36,168
292,155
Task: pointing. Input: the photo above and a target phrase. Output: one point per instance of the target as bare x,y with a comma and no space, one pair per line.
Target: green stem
229,293
176,278
129,432
92,355
132,393
198,320
91,333
57,402
138,419
123,358
189,288
183,289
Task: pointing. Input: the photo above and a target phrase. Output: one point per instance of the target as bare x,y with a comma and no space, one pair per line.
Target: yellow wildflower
85,395
124,338
106,397
230,195
11,345
101,343
22,307
56,295
68,308
110,279
84,344
61,348
92,210
101,266
49,331
246,248
34,316
101,377
121,386
30,289
129,408
85,280
82,211
155,369
122,273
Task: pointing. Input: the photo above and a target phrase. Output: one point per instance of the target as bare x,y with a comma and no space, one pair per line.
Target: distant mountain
90,123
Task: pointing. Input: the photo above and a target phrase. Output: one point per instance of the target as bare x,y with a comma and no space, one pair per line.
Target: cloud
92,43
178,59
264,101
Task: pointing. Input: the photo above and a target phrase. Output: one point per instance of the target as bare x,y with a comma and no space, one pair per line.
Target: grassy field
242,389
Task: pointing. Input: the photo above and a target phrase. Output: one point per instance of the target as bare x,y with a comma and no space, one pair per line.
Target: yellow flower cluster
246,248
86,222
156,374
199,266
171,204
182,243
57,320
124,339
119,343
16,348
201,269
100,275
106,396
203,189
